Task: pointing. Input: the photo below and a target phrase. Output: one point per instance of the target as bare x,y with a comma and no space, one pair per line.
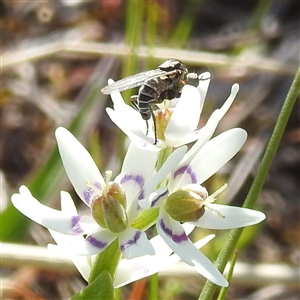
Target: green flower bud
186,204
109,208
97,212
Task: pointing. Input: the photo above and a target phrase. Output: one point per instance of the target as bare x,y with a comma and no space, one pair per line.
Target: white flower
201,161
128,270
182,125
134,180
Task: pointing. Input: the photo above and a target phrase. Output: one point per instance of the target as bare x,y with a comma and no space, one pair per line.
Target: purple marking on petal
186,169
137,179
89,193
98,185
177,238
159,197
75,227
96,243
88,196
131,242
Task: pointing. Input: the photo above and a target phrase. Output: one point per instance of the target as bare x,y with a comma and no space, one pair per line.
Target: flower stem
234,235
106,261
153,284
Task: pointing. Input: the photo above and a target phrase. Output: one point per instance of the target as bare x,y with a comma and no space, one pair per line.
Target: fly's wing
133,81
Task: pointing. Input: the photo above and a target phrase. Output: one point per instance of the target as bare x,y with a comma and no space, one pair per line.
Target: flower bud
109,208
187,204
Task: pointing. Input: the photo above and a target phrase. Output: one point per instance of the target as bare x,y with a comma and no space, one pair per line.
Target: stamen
108,175
211,198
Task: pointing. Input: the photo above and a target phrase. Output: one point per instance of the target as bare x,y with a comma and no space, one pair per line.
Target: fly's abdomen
147,95
144,106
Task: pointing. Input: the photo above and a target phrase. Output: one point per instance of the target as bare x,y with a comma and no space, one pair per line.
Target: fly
164,83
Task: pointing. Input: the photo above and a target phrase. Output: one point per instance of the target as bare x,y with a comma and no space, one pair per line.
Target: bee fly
163,83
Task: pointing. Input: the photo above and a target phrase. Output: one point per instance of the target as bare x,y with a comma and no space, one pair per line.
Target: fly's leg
134,102
147,127
154,124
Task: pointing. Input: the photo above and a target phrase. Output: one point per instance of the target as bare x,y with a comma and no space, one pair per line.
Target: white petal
210,158
135,128
234,217
185,116
78,164
139,161
203,85
94,243
170,231
130,270
160,247
134,243
203,265
117,98
156,199
169,165
188,228
140,267
49,217
217,152
206,132
129,116
138,167
202,135
82,263
202,242
234,90
129,120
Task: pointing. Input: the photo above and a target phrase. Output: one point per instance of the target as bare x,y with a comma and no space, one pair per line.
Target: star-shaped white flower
128,270
182,126
203,160
134,180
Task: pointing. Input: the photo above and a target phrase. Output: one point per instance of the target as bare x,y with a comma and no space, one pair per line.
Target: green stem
106,261
234,235
153,287
223,292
